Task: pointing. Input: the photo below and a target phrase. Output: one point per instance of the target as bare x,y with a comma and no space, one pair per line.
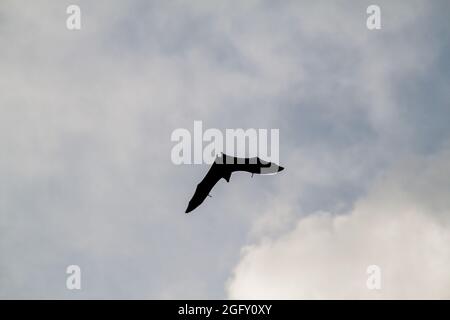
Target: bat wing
252,165
224,169
215,173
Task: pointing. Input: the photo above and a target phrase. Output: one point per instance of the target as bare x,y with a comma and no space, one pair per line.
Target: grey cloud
86,119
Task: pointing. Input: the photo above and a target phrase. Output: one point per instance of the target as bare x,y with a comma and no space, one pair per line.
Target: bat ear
227,177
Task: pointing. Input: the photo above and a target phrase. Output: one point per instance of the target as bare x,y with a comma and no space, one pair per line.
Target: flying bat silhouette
223,167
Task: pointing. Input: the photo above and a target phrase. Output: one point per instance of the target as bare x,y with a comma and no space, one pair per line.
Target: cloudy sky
86,176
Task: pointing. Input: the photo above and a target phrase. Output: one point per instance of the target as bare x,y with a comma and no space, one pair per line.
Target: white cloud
402,225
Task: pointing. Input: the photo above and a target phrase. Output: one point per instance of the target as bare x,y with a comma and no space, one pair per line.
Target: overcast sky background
85,170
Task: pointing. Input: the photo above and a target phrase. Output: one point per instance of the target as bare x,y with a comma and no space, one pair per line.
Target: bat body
223,167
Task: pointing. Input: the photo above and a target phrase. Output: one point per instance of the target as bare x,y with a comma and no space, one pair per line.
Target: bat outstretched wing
223,167
215,173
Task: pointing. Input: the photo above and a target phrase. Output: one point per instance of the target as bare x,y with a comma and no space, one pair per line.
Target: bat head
267,167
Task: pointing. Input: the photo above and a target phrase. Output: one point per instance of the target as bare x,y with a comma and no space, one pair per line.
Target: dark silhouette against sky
223,167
